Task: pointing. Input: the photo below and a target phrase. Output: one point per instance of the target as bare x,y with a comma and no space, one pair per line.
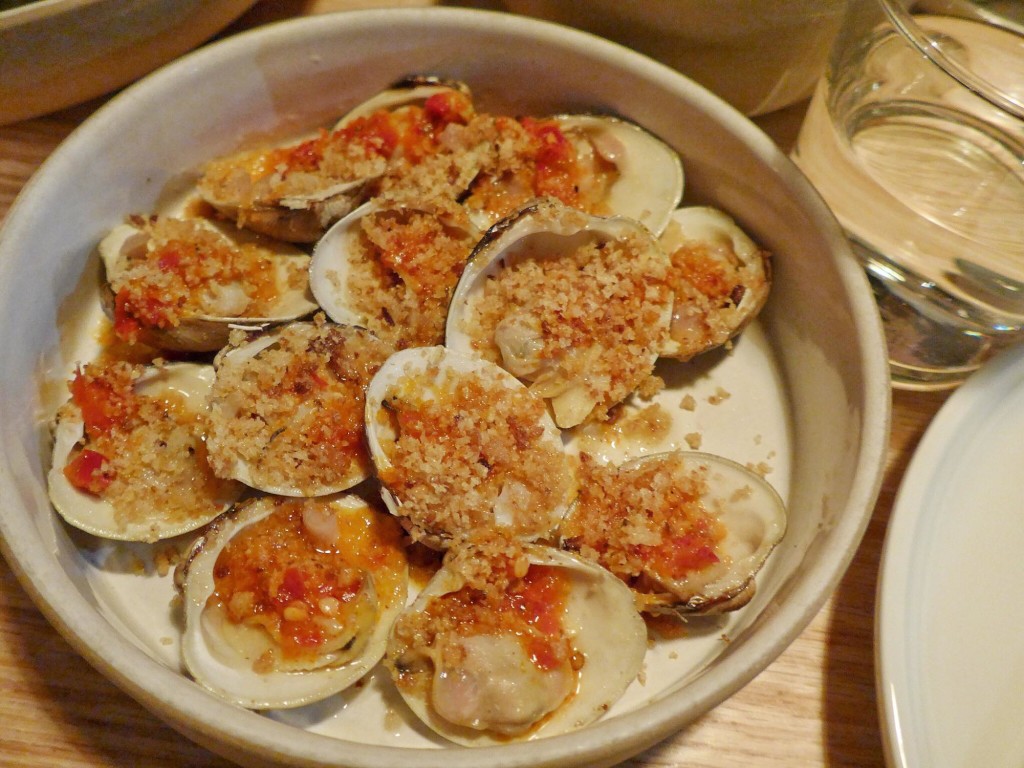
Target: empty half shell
576,306
507,644
687,531
392,268
461,446
288,601
286,408
720,278
129,461
182,283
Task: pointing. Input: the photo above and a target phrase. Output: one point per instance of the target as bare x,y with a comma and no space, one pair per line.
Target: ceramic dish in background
759,55
807,384
55,53
950,663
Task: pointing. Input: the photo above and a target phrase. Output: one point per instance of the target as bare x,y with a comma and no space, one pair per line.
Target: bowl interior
806,387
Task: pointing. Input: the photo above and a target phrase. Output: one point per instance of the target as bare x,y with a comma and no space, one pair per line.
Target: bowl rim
213,723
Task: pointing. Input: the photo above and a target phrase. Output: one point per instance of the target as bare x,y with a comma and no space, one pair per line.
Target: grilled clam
391,267
181,284
288,601
512,643
296,191
720,277
577,306
129,461
286,408
687,531
460,446
596,163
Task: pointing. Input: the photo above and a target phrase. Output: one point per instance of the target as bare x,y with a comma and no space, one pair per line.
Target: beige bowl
55,53
807,383
759,55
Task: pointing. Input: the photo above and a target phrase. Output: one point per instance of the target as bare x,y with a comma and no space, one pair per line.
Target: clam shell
208,332
355,286
720,277
232,185
487,487
650,173
96,515
246,420
584,375
605,632
224,666
750,513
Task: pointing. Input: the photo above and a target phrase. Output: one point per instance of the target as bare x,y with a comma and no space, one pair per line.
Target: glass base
933,340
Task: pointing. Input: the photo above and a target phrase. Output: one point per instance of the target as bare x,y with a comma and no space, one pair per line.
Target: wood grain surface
814,706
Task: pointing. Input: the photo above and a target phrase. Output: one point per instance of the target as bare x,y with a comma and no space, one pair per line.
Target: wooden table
814,706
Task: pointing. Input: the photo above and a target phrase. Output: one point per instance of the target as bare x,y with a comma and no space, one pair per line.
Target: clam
295,192
512,644
288,601
129,461
575,305
597,163
460,446
392,267
687,531
286,408
720,277
410,91
181,284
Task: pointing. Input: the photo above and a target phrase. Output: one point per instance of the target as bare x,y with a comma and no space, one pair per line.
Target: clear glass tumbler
915,138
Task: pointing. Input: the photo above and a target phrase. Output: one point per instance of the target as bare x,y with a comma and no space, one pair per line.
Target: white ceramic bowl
808,383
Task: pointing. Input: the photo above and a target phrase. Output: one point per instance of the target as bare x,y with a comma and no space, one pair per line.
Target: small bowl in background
56,53
759,55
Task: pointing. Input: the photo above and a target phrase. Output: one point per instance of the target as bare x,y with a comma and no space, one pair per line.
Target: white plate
950,657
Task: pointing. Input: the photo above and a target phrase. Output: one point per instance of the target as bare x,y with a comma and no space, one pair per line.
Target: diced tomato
304,634
375,132
126,326
89,471
169,260
543,654
541,598
293,587
448,107
556,171
103,406
307,155
687,553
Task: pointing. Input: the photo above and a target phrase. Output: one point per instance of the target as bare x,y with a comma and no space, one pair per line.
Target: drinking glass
915,138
